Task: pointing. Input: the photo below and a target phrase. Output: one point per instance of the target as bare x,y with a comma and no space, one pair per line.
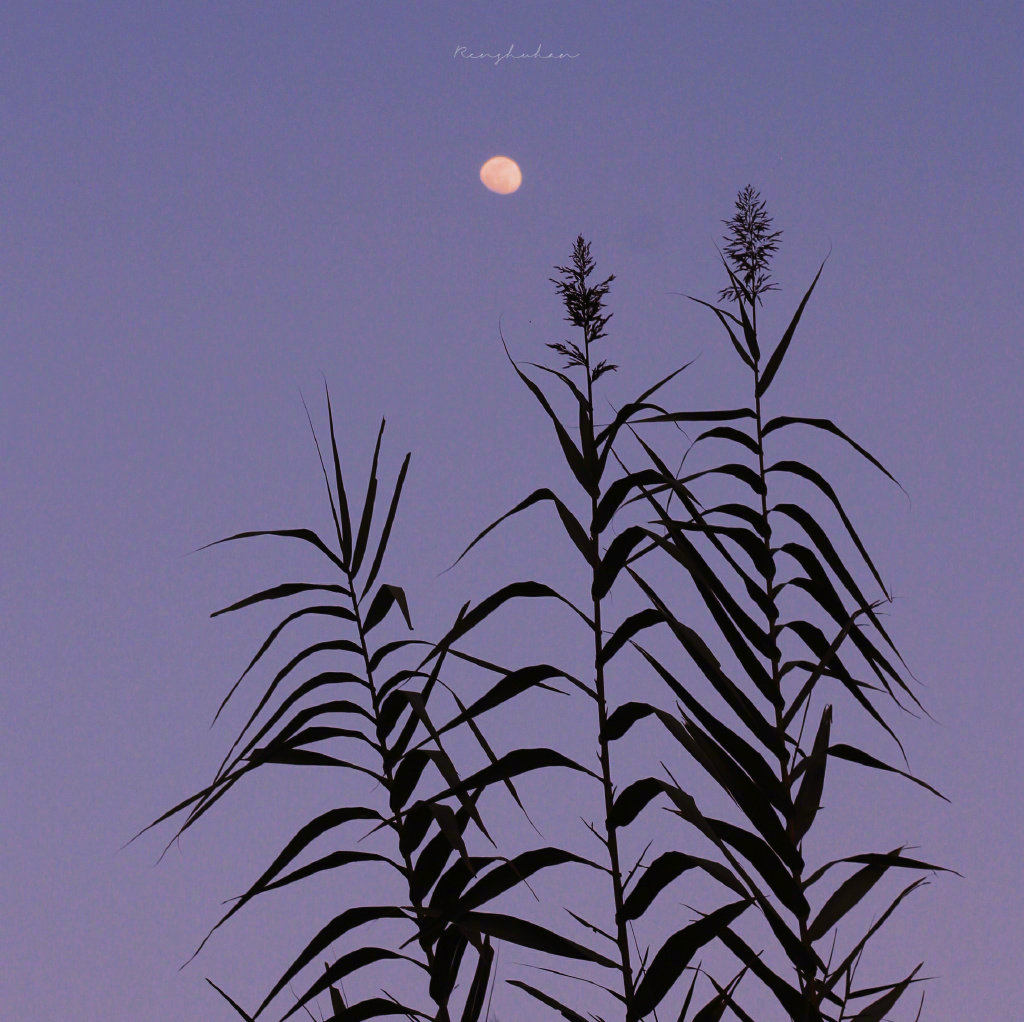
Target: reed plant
721,697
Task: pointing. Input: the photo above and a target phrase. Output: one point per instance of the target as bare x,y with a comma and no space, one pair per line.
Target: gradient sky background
203,207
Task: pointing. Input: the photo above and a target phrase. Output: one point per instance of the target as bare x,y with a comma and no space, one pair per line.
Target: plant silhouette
749,620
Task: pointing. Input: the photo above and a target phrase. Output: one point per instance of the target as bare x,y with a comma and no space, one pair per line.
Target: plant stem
611,840
397,824
773,642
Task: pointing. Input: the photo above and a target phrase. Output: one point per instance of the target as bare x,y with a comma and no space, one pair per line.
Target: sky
207,209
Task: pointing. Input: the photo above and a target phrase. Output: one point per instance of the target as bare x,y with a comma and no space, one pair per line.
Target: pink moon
501,174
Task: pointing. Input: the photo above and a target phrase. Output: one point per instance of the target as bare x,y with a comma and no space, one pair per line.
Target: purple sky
203,207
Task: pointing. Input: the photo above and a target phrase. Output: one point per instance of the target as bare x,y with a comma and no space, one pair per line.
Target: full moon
501,175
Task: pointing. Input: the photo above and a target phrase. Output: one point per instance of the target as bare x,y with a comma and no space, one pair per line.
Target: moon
501,174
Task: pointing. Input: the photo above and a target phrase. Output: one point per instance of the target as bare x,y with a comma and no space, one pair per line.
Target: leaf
514,590
855,755
710,667
349,920
385,535
387,596
849,962
622,416
573,457
724,770
676,952
824,546
731,434
509,874
444,970
877,1010
478,988
306,535
317,827
283,591
616,556
721,314
527,934
623,717
563,1010
617,492
248,1018
511,685
633,799
798,469
828,426
439,848
790,999
714,415
850,892
519,761
573,528
366,517
345,536
345,965
741,750
378,1007
779,353
663,870
335,645
634,623
808,799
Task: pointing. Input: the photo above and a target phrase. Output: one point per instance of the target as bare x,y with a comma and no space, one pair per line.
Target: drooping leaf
344,966
531,935
615,558
573,528
721,314
618,491
508,687
711,668
341,924
316,828
573,456
675,954
564,1010
815,478
514,590
787,996
283,591
633,624
387,597
663,870
855,755
739,748
850,892
512,764
509,874
306,535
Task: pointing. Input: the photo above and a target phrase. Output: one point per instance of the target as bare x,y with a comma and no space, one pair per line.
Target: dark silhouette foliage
753,627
